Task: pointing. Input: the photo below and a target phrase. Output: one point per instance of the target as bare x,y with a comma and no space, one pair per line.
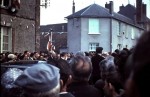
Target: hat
9,77
11,56
99,50
39,78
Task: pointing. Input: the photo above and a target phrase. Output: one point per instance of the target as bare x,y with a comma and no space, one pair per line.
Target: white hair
51,93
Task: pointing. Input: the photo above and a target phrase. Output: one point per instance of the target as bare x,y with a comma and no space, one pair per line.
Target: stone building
59,36
19,23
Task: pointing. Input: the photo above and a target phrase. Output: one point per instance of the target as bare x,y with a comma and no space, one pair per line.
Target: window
132,34
4,3
126,34
5,39
94,26
118,28
93,46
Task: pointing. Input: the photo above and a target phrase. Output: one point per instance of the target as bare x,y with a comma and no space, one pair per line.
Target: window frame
92,25
132,33
2,4
118,29
8,41
93,46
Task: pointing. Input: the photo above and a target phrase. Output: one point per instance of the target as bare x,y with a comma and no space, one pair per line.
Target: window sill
119,35
94,33
4,7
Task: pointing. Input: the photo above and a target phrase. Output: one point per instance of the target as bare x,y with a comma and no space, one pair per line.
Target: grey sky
59,9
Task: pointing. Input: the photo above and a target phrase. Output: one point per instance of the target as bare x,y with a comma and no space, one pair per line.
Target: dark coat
67,94
83,89
96,69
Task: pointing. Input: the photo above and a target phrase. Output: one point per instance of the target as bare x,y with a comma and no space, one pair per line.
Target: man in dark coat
81,67
95,63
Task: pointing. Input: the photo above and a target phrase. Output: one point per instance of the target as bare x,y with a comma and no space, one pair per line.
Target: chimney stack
73,7
107,5
110,6
111,10
121,7
138,10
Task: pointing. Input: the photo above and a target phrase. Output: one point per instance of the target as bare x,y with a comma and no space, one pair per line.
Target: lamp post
45,3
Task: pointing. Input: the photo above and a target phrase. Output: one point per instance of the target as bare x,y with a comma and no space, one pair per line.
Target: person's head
65,74
36,55
80,53
139,81
81,67
109,72
41,80
99,50
8,88
107,67
12,57
27,53
117,51
64,55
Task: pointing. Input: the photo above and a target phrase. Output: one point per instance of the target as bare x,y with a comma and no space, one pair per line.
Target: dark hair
25,52
81,67
63,54
99,50
141,60
13,92
65,70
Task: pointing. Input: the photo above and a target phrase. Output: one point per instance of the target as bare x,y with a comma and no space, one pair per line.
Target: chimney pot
121,7
111,9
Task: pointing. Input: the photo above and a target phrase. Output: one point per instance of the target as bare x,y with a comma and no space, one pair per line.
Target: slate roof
62,27
128,11
97,11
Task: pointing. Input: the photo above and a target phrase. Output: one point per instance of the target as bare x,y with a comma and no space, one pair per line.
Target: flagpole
51,36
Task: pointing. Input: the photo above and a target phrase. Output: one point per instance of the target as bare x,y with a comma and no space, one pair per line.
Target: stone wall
24,25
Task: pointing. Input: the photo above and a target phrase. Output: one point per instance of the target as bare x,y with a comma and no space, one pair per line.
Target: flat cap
39,78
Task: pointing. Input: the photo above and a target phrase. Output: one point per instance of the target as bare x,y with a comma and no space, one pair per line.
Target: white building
95,26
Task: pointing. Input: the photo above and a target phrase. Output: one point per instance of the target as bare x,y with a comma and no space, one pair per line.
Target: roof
130,12
62,27
97,11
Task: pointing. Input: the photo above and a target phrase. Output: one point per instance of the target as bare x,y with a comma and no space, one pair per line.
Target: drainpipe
111,34
35,24
111,10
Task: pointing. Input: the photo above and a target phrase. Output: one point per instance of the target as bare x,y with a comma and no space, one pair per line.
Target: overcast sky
59,9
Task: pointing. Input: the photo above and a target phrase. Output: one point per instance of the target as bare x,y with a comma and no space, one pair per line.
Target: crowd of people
122,73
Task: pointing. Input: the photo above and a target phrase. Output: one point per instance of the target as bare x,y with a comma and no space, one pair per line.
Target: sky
59,9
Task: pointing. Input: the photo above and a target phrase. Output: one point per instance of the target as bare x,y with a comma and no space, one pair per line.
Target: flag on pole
49,44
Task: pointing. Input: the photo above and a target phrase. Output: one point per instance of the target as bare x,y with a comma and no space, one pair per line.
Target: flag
49,44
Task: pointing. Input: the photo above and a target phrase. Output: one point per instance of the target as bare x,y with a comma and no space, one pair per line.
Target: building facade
19,23
137,14
96,26
59,37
